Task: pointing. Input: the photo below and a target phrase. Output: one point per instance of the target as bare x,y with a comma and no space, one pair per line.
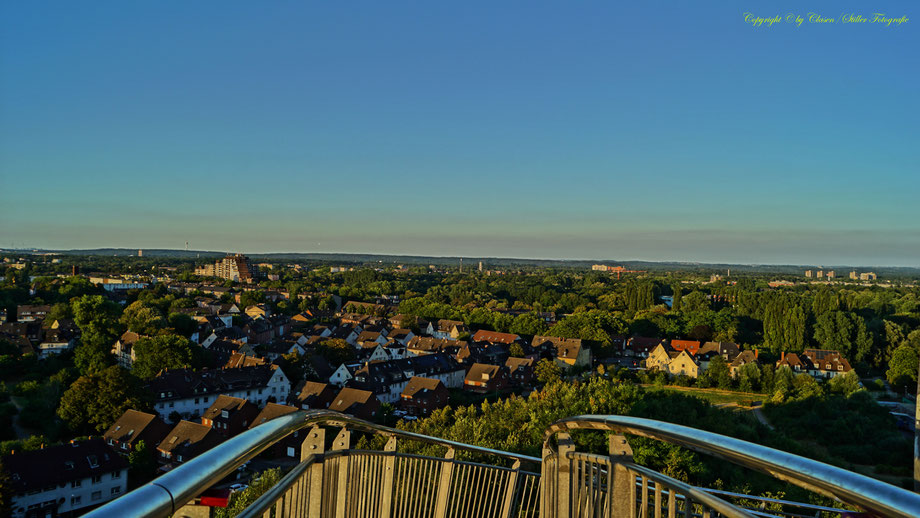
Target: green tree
156,353
336,351
528,324
902,368
240,500
845,384
695,301
94,402
547,371
183,324
142,465
516,351
835,330
749,376
97,319
717,375
251,298
677,298
143,318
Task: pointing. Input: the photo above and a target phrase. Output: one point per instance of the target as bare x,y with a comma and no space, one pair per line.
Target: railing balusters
672,503
644,511
657,500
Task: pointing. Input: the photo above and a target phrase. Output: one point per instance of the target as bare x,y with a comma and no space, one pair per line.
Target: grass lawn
715,397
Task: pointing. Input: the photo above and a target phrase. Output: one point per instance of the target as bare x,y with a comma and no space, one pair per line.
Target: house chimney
756,353
782,356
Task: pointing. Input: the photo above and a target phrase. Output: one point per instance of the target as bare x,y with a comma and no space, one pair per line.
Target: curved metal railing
169,492
584,482
848,487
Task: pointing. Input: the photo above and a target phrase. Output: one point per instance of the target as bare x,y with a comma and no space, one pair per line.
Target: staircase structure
335,480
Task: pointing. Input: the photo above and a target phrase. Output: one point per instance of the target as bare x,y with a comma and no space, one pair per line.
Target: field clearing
714,396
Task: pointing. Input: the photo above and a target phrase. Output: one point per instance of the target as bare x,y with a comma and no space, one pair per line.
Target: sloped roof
271,411
57,465
494,337
419,386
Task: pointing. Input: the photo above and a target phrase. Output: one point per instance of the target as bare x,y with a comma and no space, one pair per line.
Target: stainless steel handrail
844,485
713,502
167,493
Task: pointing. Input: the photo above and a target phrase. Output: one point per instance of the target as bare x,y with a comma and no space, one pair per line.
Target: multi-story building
191,393
65,480
868,276
388,379
236,267
133,427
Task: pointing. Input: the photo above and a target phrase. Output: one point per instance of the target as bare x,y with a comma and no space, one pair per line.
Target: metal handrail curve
846,486
167,493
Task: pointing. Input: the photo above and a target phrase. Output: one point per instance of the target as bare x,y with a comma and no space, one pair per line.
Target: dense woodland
876,328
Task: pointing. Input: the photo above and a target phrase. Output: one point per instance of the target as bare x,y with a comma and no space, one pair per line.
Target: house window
76,483
290,451
97,495
116,490
116,474
172,404
97,479
75,500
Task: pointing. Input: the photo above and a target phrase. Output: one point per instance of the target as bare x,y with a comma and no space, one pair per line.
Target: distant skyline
671,131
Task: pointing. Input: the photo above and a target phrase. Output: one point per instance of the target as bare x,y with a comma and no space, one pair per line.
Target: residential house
691,346
65,480
239,359
31,313
229,415
187,440
190,393
741,359
289,446
727,350
448,329
482,337
569,352
520,371
402,336
388,379
485,378
55,341
134,426
359,403
420,345
818,363
124,349
314,395
641,346
421,396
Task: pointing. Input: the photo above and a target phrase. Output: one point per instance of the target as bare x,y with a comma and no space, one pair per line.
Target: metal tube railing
166,494
846,486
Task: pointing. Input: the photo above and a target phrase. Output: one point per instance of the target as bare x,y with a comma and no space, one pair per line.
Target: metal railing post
389,468
624,482
314,444
444,484
564,473
511,490
342,442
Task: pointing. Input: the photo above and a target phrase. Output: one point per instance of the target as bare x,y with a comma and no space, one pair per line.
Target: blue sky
657,131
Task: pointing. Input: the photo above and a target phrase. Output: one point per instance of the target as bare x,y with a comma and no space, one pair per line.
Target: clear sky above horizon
656,131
